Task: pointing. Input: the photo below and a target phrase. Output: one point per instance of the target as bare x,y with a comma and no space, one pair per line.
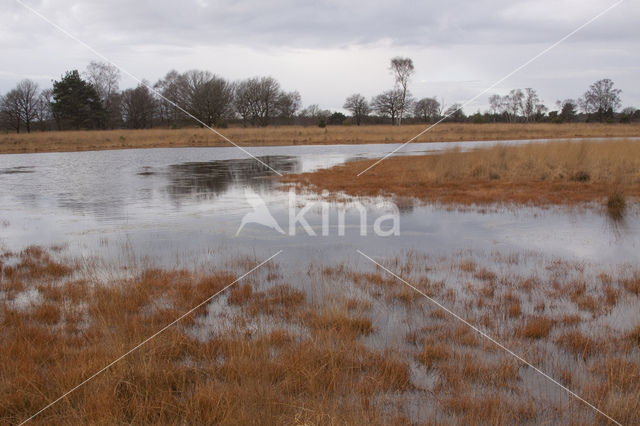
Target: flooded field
559,286
176,206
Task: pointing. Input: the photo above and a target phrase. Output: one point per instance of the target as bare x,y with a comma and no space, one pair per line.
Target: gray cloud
487,38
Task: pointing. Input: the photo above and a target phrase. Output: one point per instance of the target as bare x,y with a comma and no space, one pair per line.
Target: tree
496,104
358,106
10,110
287,105
256,100
532,107
454,113
402,69
427,109
568,110
27,92
44,113
337,118
202,94
20,105
138,107
206,96
601,100
514,103
389,104
105,77
170,88
76,103
627,115
314,114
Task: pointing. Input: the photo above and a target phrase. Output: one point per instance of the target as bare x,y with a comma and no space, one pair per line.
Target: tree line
93,100
601,102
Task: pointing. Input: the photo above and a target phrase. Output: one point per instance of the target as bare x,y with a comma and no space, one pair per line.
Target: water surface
177,206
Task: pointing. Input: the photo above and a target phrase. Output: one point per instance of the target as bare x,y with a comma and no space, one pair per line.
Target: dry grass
298,135
264,353
242,373
541,174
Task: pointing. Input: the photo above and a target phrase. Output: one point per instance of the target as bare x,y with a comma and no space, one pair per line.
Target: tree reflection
207,180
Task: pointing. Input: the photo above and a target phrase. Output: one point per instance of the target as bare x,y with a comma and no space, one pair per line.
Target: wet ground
174,207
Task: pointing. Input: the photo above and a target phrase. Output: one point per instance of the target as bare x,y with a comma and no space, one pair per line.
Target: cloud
346,44
328,23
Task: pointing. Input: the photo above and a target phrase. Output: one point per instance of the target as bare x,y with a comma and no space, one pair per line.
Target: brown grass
241,374
536,327
432,354
577,343
268,352
298,135
542,174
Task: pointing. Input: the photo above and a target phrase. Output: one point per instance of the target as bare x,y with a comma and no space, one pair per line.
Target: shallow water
183,208
177,207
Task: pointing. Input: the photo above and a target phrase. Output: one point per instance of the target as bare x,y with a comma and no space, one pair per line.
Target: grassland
560,172
348,346
298,135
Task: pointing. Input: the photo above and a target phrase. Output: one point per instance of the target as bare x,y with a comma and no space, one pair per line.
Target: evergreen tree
76,103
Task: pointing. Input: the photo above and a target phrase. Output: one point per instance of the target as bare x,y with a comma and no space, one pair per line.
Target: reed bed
300,135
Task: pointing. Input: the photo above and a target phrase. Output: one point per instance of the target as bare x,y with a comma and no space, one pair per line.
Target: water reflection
189,202
200,181
16,170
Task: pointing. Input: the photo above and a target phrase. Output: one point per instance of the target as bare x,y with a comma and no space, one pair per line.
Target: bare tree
138,107
313,114
402,69
358,106
288,104
532,107
28,93
454,113
20,105
496,104
169,88
10,110
105,78
207,96
602,99
243,100
388,104
44,112
514,104
257,100
202,94
427,109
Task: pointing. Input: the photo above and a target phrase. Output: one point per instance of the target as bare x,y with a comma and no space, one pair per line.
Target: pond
179,207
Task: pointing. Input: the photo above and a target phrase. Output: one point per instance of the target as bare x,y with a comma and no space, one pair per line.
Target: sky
330,49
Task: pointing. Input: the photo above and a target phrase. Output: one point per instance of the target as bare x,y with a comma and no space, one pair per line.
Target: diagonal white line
101,56
527,63
491,339
153,336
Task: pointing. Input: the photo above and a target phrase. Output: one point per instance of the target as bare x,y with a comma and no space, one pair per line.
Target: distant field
298,135
558,172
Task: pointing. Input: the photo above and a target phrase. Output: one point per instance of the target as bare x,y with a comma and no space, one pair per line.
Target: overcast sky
329,49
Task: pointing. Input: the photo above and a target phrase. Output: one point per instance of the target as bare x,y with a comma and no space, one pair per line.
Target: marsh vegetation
348,344
540,174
